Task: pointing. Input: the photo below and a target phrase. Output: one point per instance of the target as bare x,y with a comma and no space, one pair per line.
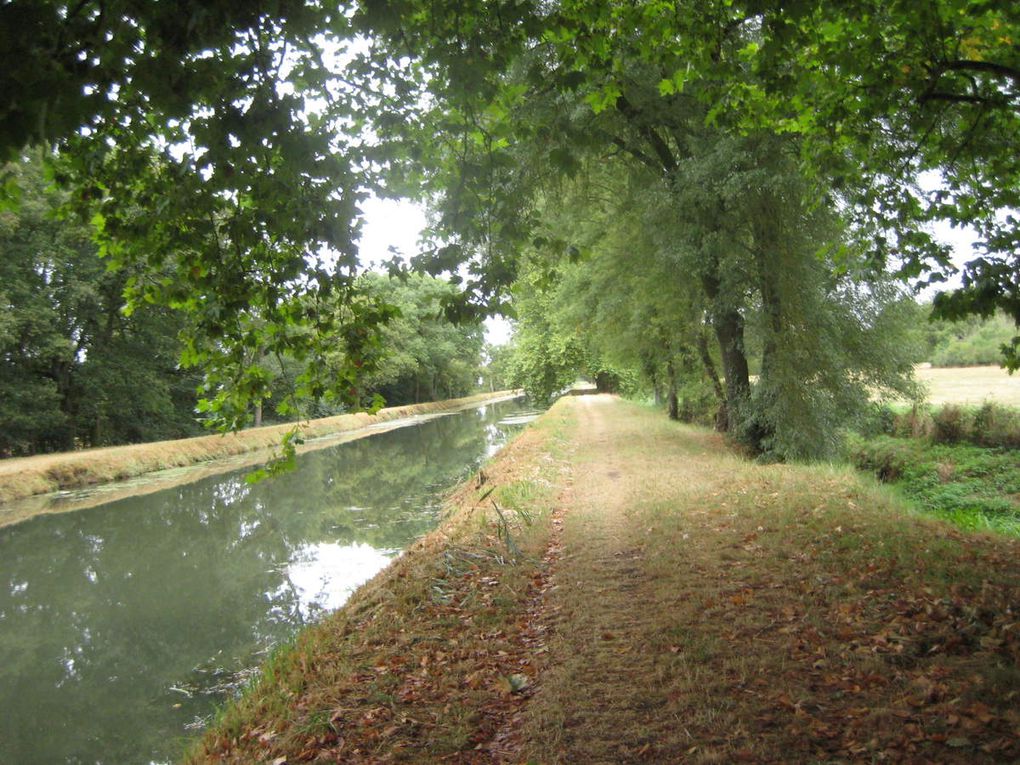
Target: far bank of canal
122,626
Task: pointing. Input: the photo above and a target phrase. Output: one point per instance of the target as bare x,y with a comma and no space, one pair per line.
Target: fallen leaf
513,683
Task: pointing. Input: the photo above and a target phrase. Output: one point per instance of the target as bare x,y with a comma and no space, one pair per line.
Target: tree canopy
220,153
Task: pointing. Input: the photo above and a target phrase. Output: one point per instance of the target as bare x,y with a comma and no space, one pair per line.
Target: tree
877,94
196,134
221,139
426,357
75,370
822,343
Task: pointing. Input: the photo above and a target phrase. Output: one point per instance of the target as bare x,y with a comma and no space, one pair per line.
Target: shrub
886,457
996,425
951,425
879,420
917,423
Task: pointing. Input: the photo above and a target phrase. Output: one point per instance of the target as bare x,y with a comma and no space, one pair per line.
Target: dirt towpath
706,609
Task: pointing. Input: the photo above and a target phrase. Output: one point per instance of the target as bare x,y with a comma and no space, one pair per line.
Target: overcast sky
392,223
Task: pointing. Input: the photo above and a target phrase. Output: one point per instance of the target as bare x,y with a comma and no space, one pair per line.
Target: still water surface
122,626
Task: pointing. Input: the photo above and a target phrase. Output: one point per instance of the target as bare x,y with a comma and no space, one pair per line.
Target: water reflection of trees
106,609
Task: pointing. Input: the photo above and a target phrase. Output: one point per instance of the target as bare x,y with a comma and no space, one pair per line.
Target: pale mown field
970,385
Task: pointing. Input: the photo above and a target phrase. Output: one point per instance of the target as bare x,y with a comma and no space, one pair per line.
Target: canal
124,625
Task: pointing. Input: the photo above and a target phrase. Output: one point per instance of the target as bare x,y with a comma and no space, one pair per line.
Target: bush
996,425
989,425
884,456
879,420
952,425
917,423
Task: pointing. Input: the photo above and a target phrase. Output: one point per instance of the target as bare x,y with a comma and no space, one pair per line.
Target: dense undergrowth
990,425
959,463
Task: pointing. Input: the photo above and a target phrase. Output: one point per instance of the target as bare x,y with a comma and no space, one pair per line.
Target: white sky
398,224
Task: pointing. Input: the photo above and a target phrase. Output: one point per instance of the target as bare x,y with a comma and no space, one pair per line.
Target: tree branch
967,65
655,141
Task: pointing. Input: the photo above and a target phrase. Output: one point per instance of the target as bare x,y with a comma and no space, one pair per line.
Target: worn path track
705,609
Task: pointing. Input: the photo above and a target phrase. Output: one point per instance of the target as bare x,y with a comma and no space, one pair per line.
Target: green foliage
221,157
823,342
968,341
204,146
543,361
869,96
990,425
74,369
837,347
424,356
972,486
496,368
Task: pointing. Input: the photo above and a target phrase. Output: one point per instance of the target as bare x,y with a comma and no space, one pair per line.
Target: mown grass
970,385
27,476
713,610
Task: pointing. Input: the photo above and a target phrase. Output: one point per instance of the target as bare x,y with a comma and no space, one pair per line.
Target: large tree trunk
729,331
728,324
673,403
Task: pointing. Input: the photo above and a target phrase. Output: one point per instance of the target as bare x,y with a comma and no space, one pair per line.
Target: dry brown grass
28,476
970,385
673,603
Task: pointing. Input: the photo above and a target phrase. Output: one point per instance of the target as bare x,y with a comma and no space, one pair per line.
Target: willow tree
821,341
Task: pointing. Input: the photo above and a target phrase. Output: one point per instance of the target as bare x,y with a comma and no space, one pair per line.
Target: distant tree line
966,342
77,370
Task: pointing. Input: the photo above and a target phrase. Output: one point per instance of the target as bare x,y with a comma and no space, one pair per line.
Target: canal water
124,625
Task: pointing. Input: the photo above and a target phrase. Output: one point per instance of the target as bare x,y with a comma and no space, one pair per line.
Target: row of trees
78,370
627,306
661,230
775,159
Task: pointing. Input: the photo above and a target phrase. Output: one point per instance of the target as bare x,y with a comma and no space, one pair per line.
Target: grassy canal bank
28,476
615,587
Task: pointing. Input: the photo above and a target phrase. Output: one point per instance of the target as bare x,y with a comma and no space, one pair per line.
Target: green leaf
602,99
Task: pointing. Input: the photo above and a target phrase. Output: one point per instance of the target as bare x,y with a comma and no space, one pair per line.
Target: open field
970,385
27,476
619,588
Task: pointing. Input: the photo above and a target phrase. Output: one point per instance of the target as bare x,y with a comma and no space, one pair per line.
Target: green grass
975,488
